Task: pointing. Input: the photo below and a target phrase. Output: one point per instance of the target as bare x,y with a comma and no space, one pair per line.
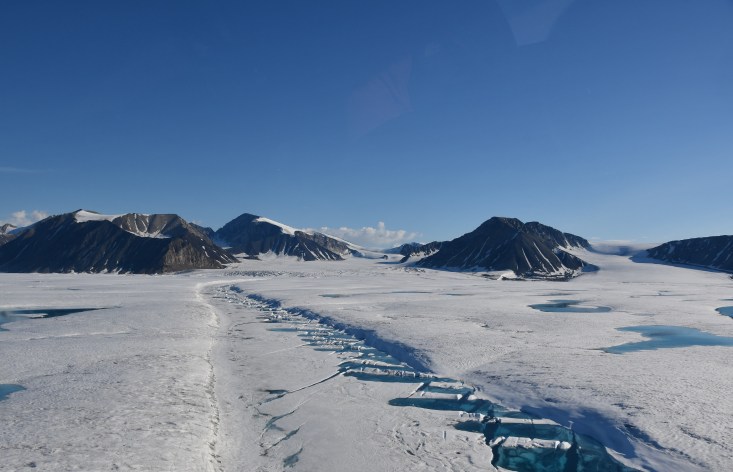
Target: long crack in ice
519,441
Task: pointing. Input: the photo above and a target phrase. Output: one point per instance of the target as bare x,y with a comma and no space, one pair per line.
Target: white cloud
22,218
379,237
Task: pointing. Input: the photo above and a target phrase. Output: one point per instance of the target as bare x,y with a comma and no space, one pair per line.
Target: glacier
372,365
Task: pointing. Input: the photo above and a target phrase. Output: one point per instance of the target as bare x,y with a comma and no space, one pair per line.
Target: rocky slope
85,241
530,250
556,237
5,233
417,250
254,235
714,252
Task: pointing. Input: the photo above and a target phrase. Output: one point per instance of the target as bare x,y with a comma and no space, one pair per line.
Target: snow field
123,388
661,410
173,374
287,406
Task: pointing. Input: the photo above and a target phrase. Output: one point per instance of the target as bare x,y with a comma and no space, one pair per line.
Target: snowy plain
182,372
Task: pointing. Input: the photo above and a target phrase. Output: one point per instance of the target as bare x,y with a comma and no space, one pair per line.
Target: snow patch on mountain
285,228
139,224
83,216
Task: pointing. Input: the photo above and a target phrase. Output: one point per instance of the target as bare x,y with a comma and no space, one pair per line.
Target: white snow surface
285,228
82,216
122,388
173,376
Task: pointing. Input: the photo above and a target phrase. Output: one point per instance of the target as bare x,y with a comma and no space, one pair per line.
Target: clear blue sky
609,119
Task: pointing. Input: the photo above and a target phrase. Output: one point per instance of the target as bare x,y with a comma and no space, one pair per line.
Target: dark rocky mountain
6,233
530,250
404,247
414,250
556,238
714,252
210,233
253,235
85,241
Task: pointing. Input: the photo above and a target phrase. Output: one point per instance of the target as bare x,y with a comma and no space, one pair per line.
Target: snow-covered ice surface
335,394
664,409
290,401
188,372
127,387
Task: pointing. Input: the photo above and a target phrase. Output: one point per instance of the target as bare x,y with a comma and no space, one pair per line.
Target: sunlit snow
82,216
285,228
366,364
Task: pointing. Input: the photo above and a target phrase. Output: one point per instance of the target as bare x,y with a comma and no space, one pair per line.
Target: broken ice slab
477,406
528,443
520,441
531,421
448,389
391,377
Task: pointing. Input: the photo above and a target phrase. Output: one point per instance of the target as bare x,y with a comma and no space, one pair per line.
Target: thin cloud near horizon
21,170
368,236
22,218
15,170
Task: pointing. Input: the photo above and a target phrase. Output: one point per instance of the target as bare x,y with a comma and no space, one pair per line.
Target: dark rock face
254,235
154,225
210,233
5,233
419,250
556,238
409,249
714,252
131,243
402,248
530,250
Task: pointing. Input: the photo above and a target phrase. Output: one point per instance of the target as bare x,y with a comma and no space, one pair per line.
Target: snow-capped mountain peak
85,241
83,216
285,228
255,235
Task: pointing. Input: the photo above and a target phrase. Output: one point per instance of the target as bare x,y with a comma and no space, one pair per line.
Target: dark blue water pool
7,389
569,306
726,311
664,337
6,316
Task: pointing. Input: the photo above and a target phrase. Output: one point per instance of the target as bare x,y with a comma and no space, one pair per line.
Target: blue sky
610,120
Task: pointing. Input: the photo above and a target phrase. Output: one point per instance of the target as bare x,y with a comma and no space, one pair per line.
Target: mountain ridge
6,233
254,235
84,241
531,250
712,252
